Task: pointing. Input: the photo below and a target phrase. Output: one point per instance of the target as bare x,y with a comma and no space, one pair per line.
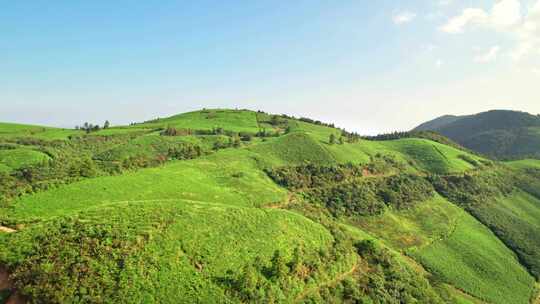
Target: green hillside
236,206
500,134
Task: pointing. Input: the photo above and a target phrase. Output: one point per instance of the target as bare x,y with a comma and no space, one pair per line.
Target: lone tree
275,120
106,125
332,139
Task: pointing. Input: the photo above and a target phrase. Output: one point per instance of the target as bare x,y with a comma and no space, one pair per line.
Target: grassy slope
423,155
231,120
208,179
524,164
516,220
415,228
474,260
17,158
10,130
292,149
431,156
198,243
455,246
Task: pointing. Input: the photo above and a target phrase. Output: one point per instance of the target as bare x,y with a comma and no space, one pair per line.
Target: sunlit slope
525,164
474,260
11,130
455,247
292,149
231,120
516,220
20,157
163,252
229,177
232,176
420,154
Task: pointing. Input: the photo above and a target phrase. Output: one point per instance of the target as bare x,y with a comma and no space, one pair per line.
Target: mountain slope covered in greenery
236,206
500,134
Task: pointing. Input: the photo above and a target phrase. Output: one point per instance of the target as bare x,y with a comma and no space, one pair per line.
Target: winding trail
280,205
330,283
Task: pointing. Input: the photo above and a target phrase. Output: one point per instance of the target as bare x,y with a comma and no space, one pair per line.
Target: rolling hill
499,133
238,206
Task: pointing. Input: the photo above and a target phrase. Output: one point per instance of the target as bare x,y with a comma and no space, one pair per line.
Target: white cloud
403,17
470,16
488,56
505,16
505,13
439,63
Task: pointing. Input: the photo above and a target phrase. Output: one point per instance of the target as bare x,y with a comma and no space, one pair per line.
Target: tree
279,266
332,139
275,120
288,130
106,125
170,131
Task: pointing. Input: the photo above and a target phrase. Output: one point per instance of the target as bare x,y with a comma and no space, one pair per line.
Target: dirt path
7,230
330,283
280,205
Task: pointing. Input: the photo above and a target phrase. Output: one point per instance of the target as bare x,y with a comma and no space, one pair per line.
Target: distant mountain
499,133
438,123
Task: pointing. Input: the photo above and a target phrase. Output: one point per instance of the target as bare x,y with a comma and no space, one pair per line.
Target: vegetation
235,206
475,261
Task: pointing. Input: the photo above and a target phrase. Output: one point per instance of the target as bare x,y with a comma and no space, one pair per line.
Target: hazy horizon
367,67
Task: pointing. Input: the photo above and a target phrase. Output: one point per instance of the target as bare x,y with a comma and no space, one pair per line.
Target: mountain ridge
501,134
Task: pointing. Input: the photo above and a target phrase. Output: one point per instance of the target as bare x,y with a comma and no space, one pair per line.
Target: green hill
236,206
501,134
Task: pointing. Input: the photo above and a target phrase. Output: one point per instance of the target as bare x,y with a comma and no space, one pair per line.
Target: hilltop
498,133
236,206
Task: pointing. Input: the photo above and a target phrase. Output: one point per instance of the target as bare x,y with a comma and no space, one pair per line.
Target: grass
321,133
456,247
475,261
524,164
171,252
417,227
152,145
292,149
11,130
17,158
231,120
516,221
229,177
431,156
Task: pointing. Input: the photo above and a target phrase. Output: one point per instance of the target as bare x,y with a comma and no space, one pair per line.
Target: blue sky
370,66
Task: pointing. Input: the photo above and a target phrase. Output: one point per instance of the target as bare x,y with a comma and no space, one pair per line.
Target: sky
368,66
